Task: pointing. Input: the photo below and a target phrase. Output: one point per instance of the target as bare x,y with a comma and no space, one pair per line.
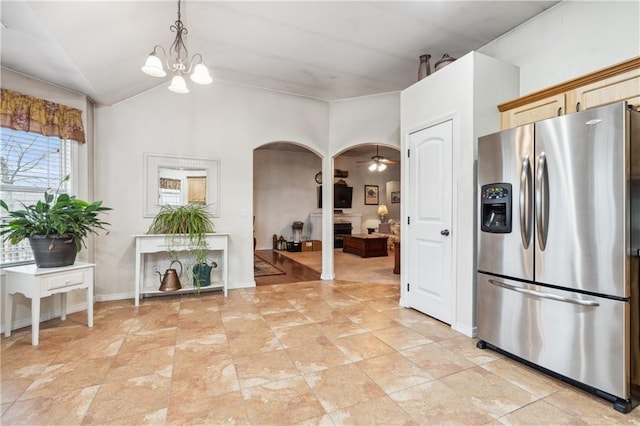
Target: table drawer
66,279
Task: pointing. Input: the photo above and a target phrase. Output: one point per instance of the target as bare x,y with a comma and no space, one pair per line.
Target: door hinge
408,220
408,287
408,153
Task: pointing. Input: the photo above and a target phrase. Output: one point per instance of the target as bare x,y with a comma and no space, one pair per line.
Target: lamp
177,61
383,211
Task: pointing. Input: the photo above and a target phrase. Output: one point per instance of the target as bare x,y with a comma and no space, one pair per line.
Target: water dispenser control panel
496,208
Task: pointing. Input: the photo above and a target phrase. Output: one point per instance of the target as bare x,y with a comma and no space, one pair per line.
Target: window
30,163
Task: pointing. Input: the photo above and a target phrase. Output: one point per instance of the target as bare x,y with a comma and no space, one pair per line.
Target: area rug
263,268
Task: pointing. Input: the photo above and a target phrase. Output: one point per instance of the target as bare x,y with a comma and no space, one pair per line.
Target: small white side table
36,283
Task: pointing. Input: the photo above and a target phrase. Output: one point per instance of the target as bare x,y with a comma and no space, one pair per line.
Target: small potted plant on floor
190,222
56,226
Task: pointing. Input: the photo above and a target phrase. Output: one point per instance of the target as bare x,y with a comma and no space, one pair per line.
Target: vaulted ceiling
325,49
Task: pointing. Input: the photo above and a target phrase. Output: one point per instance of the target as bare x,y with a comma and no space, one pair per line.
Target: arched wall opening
284,190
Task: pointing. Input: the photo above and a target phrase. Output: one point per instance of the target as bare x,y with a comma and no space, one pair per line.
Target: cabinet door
621,87
535,111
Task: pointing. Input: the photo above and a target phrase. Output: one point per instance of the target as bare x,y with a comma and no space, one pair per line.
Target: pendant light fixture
177,61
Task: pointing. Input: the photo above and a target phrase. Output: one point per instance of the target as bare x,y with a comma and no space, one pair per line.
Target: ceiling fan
378,162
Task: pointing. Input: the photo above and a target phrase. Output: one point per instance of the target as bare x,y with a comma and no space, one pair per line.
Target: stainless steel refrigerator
559,219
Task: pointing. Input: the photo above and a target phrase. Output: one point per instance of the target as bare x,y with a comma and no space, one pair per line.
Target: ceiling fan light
373,167
153,66
201,75
381,167
178,85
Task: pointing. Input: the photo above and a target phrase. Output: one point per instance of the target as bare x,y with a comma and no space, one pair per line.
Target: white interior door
430,218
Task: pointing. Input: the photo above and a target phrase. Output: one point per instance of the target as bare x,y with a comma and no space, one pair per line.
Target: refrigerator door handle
545,295
525,202
542,201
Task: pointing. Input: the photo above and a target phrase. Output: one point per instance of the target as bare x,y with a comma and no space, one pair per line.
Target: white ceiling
326,49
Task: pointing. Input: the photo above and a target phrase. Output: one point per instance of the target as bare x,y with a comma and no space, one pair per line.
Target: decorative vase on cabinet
425,67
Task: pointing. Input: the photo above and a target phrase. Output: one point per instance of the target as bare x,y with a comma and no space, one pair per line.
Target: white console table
36,283
157,243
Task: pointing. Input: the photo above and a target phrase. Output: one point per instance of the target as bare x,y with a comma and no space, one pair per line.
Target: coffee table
365,245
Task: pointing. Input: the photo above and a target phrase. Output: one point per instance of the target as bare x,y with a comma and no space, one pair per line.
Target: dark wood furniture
396,259
365,245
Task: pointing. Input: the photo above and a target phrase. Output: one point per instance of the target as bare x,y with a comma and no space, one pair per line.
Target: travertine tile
362,346
540,413
433,403
438,361
487,391
60,378
134,364
289,401
400,337
317,355
524,377
342,386
590,409
225,409
145,340
394,372
466,347
382,411
250,343
65,408
300,335
129,397
261,368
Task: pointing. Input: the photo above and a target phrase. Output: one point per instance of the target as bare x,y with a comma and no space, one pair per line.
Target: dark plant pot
201,275
50,251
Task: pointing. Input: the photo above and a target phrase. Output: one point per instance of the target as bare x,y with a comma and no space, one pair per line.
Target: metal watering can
202,274
170,281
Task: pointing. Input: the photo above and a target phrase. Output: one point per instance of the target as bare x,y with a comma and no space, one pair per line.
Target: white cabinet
36,283
157,243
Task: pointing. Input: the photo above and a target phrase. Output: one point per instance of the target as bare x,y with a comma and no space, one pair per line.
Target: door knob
444,232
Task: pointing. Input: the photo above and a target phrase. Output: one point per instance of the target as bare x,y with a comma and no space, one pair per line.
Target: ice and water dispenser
496,208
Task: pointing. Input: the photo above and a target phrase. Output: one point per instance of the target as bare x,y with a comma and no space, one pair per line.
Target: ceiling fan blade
391,162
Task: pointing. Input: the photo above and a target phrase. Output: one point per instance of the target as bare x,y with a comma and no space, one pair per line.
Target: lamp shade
382,209
381,167
153,66
373,167
178,85
201,75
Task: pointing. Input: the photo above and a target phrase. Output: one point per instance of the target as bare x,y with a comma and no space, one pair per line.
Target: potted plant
190,222
55,226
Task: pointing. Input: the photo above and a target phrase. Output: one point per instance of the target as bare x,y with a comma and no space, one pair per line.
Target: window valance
30,114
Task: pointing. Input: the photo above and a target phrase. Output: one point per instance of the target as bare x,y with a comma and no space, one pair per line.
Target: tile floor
306,353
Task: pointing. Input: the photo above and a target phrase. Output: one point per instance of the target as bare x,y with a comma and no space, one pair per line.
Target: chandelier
177,61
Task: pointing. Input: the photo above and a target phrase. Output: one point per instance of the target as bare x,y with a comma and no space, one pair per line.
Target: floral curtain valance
30,114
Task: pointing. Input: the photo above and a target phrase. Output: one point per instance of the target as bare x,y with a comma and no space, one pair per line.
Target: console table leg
8,313
63,306
35,319
90,306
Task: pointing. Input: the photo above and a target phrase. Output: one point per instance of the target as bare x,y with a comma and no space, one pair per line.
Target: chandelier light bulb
201,75
178,85
153,66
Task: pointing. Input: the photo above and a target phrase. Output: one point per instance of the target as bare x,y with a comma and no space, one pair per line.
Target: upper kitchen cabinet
620,82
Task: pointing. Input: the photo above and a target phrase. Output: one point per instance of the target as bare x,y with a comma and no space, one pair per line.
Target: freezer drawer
582,337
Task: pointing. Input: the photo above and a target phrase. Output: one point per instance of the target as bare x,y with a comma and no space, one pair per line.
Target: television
342,196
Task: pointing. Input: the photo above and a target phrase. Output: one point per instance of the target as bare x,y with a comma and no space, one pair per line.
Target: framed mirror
180,180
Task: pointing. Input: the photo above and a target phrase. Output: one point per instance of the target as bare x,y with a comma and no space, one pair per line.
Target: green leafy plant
56,215
188,223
